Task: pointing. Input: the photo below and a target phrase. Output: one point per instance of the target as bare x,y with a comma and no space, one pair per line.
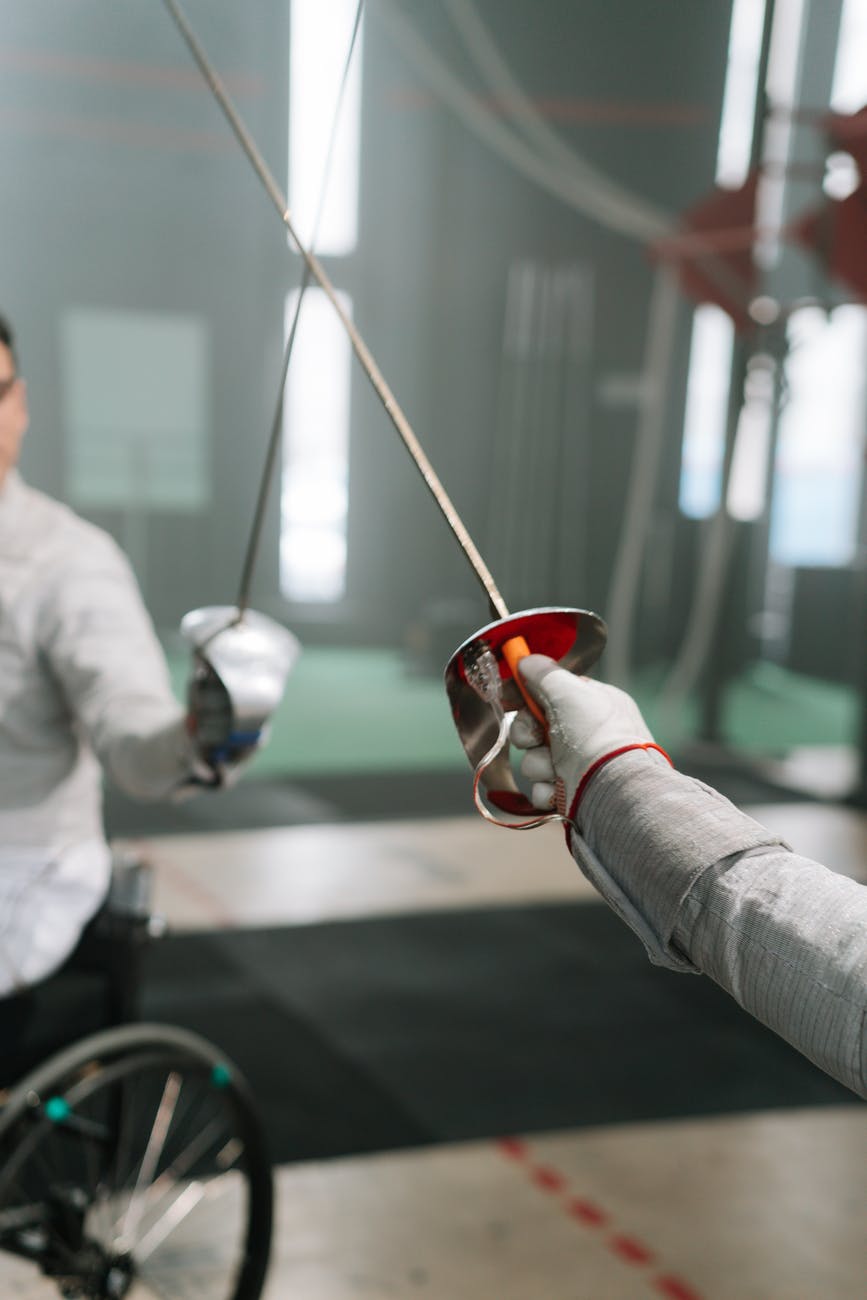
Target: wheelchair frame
117,1144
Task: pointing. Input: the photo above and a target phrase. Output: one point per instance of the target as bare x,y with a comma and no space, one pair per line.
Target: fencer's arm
704,886
784,935
99,643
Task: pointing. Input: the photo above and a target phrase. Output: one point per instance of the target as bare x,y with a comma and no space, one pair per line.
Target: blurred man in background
84,687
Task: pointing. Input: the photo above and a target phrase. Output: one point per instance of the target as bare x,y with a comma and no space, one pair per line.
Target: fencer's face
13,412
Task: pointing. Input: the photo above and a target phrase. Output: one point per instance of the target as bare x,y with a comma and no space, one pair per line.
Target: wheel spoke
179,1167
180,1208
153,1151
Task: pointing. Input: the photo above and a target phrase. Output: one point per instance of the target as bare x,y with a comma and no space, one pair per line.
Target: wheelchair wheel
133,1165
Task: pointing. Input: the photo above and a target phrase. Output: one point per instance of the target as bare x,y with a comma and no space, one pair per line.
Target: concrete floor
764,1207
769,1206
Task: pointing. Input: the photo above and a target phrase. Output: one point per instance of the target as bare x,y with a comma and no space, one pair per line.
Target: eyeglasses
6,386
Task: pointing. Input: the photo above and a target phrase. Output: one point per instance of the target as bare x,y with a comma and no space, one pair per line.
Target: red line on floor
548,1179
587,1212
675,1289
630,1249
513,1147
625,1247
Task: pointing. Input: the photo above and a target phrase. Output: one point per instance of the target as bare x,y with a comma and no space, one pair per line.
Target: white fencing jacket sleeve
98,643
83,686
710,890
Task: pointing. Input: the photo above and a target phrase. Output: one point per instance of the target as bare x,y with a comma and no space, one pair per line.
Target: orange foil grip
514,650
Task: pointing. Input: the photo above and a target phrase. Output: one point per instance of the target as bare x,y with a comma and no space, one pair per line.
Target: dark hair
8,338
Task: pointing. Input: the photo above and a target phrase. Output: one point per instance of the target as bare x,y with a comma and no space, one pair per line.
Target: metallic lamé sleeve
710,889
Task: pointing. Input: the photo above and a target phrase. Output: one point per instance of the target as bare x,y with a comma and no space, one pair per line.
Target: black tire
114,1155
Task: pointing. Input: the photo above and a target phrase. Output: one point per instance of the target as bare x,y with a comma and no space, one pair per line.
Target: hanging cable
558,167
660,335
583,193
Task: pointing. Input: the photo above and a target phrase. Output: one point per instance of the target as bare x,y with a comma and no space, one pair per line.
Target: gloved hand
589,723
240,667
211,725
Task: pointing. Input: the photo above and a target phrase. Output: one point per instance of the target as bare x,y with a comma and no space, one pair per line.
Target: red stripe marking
139,134
586,1212
675,1289
577,110
124,71
630,1249
514,1148
627,1248
548,1179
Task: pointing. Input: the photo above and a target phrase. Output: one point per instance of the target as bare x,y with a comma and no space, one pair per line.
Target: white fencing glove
239,671
211,725
589,723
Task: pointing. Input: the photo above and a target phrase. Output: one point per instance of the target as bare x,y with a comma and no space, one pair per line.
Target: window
706,413
135,406
820,456
315,496
314,500
739,95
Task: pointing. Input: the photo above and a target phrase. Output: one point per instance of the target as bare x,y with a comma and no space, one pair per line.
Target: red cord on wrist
600,762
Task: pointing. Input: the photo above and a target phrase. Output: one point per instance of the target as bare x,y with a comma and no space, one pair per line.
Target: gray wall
122,188
456,217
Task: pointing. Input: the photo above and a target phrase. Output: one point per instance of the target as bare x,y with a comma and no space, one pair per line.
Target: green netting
348,710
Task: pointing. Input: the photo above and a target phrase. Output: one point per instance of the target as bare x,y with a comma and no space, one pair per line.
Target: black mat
380,796
302,801
361,1036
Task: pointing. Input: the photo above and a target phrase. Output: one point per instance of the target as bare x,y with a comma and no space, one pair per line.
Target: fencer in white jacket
84,687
